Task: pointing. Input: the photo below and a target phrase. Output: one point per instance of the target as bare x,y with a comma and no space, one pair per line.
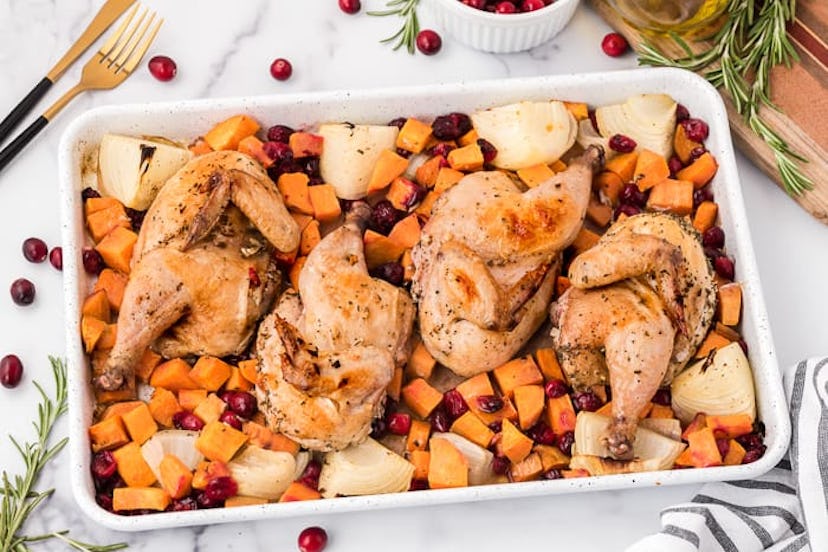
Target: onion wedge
364,469
649,119
350,153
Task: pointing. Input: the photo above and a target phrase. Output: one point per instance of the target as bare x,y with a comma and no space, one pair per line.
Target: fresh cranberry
429,42
531,5
552,474
399,423
418,485
93,263
442,149
281,69
136,218
35,250
586,400
221,488
614,44
440,420
695,129
383,217
22,291
713,237
565,442
496,426
675,165
232,419
89,193
242,403
392,272
627,209
724,446
701,195
350,6
451,126
183,505
277,151
724,267
489,403
312,539
542,434
11,371
663,397
489,151
103,465
187,420
162,68
696,152
310,166
682,114
454,403
310,475
754,454
378,428
633,195
621,143
476,4
279,133
505,7
500,465
555,388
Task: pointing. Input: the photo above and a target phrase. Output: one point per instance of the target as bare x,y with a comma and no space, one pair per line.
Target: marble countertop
223,51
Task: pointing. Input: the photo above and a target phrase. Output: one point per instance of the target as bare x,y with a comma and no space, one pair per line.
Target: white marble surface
226,51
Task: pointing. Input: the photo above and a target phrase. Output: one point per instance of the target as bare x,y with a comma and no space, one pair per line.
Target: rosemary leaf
407,34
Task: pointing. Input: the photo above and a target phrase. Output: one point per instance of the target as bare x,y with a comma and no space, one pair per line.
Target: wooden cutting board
801,92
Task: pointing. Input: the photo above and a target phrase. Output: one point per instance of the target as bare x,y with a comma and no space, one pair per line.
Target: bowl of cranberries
502,26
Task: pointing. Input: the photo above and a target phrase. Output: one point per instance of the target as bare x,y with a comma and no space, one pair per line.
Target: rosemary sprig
20,498
751,42
407,34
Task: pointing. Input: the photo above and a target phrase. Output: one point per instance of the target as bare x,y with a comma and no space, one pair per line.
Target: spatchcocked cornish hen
642,300
202,272
486,262
327,354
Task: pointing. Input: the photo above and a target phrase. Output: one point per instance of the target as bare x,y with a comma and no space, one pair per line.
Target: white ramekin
500,33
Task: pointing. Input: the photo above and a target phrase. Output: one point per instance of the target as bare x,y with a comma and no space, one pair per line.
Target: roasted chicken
642,300
487,260
202,270
327,354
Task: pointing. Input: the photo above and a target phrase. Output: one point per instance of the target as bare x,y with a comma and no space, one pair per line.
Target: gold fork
109,67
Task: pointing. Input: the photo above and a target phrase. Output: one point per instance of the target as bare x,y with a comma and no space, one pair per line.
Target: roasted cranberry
724,267
555,388
489,403
253,277
505,7
104,500
136,218
442,149
11,371
621,143
440,420
398,122
281,69
350,6
242,403
696,152
682,114
93,263
552,474
221,488
310,166
187,420
103,465
743,344
310,475
451,126
35,250
701,195
695,129
496,426
429,42
393,273
454,403
418,485
542,434
205,502
633,195
232,419
162,68
383,217
627,209
378,428
312,539
183,505
399,423
89,193
614,44
675,165
500,465
278,151
754,454
279,133
22,291
750,441
586,400
565,442
489,151
723,445
531,5
663,397
713,237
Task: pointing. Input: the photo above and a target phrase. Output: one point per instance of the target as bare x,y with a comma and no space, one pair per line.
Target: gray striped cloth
785,510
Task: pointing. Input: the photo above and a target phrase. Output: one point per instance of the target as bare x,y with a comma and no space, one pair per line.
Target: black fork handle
23,108
22,139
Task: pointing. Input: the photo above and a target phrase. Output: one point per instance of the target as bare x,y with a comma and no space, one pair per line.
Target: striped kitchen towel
785,510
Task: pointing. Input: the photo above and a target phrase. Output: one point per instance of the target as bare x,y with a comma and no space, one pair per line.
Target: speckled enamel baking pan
184,120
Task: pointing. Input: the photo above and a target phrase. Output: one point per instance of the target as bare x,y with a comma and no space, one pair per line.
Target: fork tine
113,39
134,39
125,39
138,53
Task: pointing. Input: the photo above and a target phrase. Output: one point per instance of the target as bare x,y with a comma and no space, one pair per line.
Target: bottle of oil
680,16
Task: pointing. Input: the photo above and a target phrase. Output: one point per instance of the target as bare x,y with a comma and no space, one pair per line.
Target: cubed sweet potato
703,448
249,369
584,240
139,498
562,283
735,453
107,434
108,337
132,467
700,172
116,249
118,409
389,166
113,284
96,305
174,375
650,169
406,232
176,477
199,147
529,401
705,216
424,208
515,445
163,405
306,144
475,386
729,426
297,492
535,175
210,409
325,203
598,212
414,135
237,501
447,178
144,368
560,415
420,459
91,331
674,196
252,146
95,204
549,365
310,238
527,469
210,373
661,411
421,397
714,340
294,190
470,137
380,249
609,185
447,467
101,223
227,134
404,193
579,110
517,372
408,266
189,399
426,173
730,303
219,441
139,423
420,364
552,458
394,388
418,435
623,165
236,381
262,437
295,270
684,146
468,425
207,471
467,158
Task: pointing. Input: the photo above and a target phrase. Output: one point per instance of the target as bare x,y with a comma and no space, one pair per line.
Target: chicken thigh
327,354
202,272
641,302
487,260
